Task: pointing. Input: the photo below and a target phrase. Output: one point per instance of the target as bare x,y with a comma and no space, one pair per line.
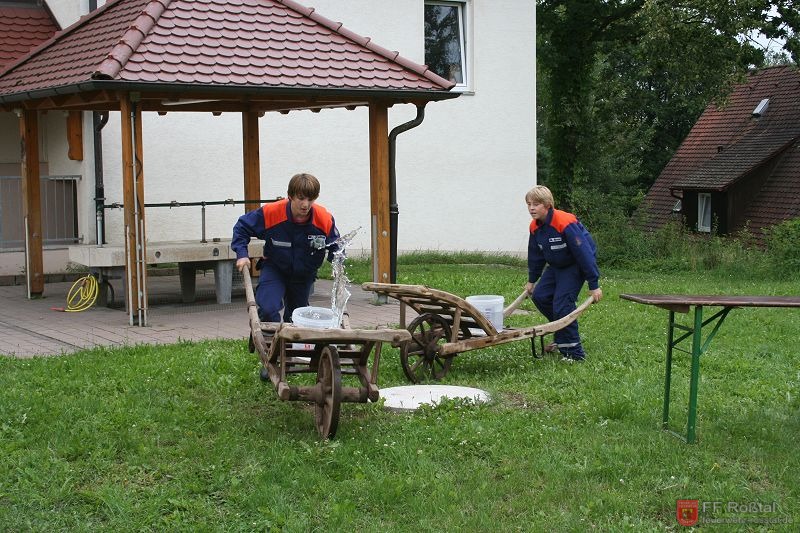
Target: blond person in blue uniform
562,256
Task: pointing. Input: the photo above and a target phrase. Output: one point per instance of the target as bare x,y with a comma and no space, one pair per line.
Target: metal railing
175,204
59,196
60,211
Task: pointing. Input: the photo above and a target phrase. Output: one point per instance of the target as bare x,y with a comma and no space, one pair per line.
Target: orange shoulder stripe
275,213
321,218
562,219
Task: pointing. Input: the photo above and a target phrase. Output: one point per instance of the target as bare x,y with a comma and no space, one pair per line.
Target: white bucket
490,306
313,317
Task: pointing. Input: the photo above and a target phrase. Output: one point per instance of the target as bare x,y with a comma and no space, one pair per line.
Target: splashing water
340,293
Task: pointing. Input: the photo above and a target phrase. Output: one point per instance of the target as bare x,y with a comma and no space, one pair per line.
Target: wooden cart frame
286,349
447,325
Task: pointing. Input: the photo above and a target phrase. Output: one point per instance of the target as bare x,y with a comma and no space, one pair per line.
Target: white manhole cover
410,397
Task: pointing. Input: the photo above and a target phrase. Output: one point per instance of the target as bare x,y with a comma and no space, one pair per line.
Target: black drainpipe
99,120
393,211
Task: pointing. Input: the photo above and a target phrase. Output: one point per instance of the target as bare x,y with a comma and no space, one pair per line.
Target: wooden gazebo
250,57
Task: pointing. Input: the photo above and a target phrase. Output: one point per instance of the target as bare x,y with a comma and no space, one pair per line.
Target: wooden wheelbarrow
447,325
286,349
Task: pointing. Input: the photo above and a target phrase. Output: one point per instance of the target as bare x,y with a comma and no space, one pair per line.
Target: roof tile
22,29
251,42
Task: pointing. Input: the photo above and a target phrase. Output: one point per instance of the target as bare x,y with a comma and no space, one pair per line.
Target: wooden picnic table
682,303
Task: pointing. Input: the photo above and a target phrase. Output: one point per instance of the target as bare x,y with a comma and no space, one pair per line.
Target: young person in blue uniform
298,234
559,242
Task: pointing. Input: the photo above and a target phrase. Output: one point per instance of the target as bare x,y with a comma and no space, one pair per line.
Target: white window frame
464,28
704,212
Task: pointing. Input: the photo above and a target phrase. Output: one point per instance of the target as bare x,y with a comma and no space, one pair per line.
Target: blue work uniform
293,252
568,250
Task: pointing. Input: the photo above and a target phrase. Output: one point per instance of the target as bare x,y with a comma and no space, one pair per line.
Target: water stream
340,293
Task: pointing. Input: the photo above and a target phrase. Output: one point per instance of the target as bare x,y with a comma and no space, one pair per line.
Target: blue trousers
554,296
277,291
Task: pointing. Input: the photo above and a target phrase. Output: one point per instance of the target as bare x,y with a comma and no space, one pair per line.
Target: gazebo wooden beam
379,190
31,202
215,106
75,135
243,106
206,101
88,101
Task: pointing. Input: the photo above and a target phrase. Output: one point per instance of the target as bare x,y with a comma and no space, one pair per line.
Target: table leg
223,281
668,371
695,376
188,278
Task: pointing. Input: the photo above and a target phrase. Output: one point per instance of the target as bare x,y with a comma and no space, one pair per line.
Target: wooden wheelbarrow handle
516,303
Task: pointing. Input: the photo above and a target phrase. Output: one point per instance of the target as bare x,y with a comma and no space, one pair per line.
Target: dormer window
761,108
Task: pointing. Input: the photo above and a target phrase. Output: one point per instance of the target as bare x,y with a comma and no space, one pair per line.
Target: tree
571,32
622,82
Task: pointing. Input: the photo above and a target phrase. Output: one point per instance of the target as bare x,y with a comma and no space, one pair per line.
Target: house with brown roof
739,167
463,159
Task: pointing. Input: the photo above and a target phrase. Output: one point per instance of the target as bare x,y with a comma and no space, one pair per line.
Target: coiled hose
81,295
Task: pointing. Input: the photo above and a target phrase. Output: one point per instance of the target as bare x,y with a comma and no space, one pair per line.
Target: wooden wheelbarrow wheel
420,356
329,381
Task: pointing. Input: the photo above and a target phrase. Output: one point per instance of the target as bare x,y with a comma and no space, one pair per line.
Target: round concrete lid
410,397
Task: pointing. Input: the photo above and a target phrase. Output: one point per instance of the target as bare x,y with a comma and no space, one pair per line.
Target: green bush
622,243
782,247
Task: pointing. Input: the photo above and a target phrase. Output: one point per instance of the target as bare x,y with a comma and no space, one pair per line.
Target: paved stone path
31,328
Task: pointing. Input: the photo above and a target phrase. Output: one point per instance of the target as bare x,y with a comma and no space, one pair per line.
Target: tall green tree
572,32
621,83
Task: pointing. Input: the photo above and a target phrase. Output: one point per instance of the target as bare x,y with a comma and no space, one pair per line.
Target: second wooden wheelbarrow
447,325
286,349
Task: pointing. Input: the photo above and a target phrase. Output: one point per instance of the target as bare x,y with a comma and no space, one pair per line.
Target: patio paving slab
30,328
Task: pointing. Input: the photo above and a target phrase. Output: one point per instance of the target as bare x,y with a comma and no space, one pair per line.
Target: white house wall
67,12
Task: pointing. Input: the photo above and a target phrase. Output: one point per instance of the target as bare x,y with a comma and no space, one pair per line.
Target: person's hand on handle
529,288
242,263
597,294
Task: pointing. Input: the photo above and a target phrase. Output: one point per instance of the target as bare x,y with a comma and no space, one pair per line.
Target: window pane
444,42
704,212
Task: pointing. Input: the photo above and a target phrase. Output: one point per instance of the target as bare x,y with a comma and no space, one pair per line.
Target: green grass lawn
187,437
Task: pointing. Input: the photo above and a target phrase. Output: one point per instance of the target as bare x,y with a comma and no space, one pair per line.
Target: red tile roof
248,43
760,145
22,29
728,142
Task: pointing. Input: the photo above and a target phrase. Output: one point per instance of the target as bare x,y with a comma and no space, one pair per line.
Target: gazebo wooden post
252,161
379,190
252,165
31,202
133,199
